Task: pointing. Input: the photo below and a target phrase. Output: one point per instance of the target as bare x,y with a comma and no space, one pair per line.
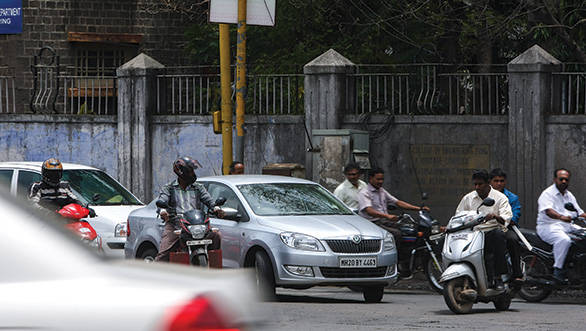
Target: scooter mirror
424,196
220,201
570,206
161,204
488,202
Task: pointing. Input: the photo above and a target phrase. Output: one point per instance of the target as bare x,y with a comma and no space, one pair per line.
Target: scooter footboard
458,270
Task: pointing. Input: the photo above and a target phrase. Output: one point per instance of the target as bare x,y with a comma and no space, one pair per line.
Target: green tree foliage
404,31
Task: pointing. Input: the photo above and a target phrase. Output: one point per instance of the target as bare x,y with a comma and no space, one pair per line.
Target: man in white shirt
553,219
498,217
348,190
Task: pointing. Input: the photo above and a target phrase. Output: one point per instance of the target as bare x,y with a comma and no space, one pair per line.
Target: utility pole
226,117
240,79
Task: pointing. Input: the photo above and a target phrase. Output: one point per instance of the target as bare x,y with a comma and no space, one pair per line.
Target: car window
217,190
5,179
276,199
97,188
25,181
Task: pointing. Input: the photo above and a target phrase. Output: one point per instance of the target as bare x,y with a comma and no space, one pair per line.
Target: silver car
294,232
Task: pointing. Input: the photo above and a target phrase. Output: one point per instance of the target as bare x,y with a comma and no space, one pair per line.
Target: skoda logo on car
356,239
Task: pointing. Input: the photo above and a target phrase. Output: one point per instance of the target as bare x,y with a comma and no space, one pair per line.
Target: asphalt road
338,309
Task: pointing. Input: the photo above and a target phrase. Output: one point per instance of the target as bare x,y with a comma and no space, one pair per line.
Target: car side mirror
231,213
220,201
570,206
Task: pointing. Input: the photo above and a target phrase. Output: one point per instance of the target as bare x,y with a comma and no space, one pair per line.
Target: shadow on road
475,311
313,299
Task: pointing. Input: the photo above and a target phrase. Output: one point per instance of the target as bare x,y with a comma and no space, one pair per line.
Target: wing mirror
486,202
424,196
162,204
231,213
570,206
220,201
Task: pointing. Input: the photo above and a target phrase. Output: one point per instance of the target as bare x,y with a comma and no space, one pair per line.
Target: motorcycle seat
534,240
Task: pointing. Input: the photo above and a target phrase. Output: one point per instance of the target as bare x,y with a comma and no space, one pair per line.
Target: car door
231,231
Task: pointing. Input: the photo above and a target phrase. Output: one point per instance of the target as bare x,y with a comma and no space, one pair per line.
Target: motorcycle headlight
197,231
461,220
120,230
388,242
435,229
301,241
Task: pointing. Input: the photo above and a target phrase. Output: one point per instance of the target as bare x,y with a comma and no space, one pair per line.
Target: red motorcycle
75,213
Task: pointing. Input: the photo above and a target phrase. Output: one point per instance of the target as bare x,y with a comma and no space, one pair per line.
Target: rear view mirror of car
231,214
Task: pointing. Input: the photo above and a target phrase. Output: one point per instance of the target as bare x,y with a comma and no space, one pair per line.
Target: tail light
198,315
128,228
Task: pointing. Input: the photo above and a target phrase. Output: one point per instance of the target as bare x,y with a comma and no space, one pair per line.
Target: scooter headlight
197,231
457,221
388,242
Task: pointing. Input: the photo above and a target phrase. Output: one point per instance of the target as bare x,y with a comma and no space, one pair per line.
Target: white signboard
258,12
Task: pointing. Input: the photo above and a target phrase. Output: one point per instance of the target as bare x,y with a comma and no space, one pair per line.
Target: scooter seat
534,240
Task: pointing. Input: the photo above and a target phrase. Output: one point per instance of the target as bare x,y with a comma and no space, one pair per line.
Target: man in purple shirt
373,201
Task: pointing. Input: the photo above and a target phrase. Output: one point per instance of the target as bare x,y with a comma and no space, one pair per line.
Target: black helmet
184,168
52,171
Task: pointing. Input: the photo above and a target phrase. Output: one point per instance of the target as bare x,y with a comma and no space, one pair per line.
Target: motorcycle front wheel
453,295
200,260
433,274
534,268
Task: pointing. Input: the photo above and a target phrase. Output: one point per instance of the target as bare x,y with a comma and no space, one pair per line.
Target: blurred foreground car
293,231
50,281
111,201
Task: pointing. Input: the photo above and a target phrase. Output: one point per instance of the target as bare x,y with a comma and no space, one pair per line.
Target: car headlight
120,230
197,231
388,242
301,241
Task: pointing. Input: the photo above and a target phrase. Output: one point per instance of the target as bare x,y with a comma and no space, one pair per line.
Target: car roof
255,179
37,166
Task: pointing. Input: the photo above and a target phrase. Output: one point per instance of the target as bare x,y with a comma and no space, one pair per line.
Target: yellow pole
240,78
226,98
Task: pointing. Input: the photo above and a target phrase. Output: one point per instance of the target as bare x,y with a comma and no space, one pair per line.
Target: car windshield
279,199
97,188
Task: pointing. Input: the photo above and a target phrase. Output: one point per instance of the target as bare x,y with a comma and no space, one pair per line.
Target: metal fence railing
429,90
199,93
568,90
7,91
85,95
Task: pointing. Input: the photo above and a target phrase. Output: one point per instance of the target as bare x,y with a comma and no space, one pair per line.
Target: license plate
460,236
358,262
199,242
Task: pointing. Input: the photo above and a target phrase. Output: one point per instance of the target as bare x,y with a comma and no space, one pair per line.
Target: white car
111,201
50,281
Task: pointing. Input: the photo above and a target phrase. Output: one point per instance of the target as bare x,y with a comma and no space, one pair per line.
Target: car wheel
373,294
148,255
265,279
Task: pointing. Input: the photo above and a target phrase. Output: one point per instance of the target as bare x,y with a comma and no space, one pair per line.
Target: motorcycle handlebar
466,226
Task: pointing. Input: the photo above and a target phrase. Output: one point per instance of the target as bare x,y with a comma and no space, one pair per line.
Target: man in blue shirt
498,181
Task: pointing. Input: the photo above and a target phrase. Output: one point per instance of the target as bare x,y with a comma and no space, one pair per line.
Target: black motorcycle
194,226
418,251
537,262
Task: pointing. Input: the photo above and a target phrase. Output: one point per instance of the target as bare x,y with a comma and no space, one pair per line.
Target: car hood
324,226
109,216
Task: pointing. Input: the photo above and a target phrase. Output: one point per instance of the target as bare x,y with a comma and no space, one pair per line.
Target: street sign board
10,16
258,12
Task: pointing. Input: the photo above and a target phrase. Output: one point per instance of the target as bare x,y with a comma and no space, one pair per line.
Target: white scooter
464,278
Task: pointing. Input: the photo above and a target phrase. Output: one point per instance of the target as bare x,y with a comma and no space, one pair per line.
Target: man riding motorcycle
51,193
182,195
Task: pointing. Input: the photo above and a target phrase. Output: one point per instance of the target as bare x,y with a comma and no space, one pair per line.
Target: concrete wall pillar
329,94
529,101
137,97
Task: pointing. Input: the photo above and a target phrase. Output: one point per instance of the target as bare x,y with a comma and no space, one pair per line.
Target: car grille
328,272
348,246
